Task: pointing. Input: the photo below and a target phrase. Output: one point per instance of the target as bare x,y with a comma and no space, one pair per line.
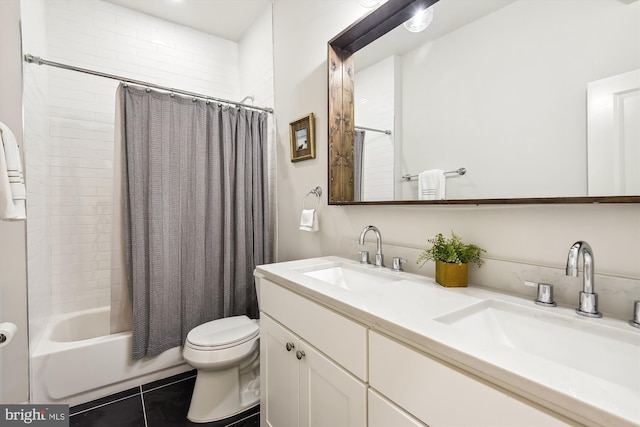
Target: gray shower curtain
195,213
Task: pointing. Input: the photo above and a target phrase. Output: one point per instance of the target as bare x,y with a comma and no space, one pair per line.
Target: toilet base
221,394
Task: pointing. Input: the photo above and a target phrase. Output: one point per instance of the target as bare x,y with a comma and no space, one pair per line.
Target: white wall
522,242
460,87
14,368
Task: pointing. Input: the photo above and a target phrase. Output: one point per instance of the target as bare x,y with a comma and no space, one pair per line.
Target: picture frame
302,138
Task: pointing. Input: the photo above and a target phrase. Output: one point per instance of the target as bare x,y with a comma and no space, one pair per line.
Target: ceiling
228,19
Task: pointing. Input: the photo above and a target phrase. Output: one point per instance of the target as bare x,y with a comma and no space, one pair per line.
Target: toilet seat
226,354
222,333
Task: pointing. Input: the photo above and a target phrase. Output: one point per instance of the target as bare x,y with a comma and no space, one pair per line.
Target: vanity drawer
440,395
342,339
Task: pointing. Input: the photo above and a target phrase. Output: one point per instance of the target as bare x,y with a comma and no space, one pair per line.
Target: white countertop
407,308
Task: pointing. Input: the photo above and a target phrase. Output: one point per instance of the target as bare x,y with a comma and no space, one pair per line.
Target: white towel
12,189
431,185
308,220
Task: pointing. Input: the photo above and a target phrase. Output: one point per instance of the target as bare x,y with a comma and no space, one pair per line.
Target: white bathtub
77,360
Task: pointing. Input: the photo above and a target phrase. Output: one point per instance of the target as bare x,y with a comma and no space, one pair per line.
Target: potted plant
452,257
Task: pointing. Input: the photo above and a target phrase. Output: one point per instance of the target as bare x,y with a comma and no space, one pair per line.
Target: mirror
498,87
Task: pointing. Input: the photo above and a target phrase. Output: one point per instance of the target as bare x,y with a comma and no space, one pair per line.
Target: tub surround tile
162,403
78,177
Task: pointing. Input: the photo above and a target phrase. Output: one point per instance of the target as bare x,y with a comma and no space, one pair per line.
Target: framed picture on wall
303,140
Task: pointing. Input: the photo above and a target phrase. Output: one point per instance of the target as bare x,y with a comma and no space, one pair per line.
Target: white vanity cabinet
376,354
305,382
279,374
383,413
442,396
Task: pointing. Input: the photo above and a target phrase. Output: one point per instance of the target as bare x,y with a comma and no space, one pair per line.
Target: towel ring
316,192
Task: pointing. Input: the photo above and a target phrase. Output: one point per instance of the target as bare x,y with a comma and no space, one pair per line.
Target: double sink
558,336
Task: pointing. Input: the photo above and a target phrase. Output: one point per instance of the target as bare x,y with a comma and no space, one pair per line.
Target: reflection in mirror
500,87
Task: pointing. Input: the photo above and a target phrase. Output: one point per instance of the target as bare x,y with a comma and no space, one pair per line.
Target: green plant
451,251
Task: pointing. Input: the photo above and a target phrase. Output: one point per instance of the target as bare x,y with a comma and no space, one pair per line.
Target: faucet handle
397,263
545,293
364,257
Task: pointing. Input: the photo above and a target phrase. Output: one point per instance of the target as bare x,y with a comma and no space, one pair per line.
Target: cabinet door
329,395
341,339
278,375
383,413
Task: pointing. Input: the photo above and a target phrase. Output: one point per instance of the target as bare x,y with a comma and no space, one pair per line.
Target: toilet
226,354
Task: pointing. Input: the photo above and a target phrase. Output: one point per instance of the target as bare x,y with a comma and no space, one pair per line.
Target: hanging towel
308,220
12,189
431,185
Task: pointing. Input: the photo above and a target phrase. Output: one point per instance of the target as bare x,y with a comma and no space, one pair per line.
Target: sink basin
351,277
603,351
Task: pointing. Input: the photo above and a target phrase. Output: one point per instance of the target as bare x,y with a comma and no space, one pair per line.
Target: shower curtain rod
388,132
31,59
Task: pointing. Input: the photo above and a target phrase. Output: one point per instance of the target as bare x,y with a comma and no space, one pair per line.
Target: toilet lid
224,332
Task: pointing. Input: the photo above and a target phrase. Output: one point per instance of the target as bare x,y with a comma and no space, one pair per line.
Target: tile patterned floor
162,403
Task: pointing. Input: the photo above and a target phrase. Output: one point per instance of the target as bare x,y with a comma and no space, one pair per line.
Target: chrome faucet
588,298
379,258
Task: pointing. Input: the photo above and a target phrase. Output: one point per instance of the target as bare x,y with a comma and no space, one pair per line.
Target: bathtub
77,360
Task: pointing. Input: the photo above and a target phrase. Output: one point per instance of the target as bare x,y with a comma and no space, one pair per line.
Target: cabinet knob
290,346
300,354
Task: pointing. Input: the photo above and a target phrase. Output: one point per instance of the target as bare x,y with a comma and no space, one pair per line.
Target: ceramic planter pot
451,275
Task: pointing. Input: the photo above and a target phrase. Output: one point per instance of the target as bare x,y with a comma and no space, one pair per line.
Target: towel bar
459,171
316,192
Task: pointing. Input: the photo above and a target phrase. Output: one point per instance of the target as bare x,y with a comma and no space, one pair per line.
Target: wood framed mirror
342,68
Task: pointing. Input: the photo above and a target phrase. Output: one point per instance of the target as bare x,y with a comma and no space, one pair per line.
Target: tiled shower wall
98,35
375,99
37,165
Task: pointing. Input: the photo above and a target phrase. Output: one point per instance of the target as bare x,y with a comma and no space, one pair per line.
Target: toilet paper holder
7,332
